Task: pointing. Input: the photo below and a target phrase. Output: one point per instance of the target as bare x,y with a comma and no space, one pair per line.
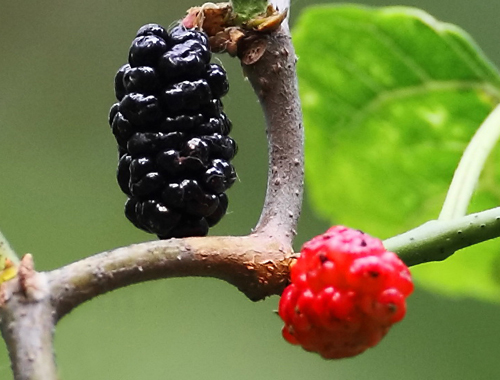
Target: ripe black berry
142,79
154,30
219,177
123,173
120,90
146,50
122,129
180,62
112,112
147,186
180,34
141,110
219,212
140,167
153,216
221,146
186,96
172,133
217,80
187,226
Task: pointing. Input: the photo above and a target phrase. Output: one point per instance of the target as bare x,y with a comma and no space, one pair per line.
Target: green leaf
391,98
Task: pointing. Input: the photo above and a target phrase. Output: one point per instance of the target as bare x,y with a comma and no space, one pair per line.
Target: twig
274,80
436,240
256,266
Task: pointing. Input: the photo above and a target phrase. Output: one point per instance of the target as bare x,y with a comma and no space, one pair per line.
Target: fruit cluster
172,133
346,292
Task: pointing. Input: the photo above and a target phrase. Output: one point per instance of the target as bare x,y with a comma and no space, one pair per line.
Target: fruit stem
469,168
438,239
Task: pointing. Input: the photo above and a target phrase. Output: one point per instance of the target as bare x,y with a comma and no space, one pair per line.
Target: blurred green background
59,201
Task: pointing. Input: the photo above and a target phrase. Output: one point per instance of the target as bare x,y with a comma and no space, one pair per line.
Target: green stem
472,162
438,239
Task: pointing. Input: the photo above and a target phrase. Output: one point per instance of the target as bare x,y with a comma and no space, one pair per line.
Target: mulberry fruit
346,291
172,133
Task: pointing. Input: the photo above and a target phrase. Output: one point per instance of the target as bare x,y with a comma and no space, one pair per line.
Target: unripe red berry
346,291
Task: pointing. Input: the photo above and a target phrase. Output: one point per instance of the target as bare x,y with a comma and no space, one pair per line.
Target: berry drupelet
172,133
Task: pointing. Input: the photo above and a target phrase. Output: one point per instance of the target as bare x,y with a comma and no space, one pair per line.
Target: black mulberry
172,133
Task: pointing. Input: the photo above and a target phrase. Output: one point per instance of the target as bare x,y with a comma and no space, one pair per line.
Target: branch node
32,284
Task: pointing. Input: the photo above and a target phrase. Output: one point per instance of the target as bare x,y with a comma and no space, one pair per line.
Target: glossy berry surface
346,292
172,133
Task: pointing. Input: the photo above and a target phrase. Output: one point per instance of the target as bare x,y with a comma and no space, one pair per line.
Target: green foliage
391,98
